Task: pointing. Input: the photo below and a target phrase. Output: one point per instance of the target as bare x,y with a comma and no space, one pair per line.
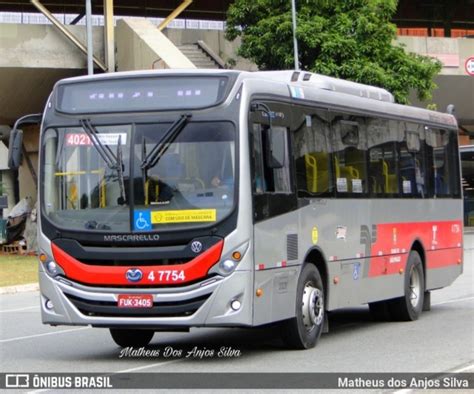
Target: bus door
274,205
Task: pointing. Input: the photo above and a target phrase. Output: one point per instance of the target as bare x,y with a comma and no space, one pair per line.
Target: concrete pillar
8,188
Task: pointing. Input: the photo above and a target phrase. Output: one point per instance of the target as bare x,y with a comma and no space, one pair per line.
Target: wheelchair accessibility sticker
142,220
356,271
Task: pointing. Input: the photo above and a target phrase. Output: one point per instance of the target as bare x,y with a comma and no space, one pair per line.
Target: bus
201,198
467,171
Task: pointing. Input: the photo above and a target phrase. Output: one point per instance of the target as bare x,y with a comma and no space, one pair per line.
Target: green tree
349,39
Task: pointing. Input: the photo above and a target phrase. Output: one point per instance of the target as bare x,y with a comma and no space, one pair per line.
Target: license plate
135,301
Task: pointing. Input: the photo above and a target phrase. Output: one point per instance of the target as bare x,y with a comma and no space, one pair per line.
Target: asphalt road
441,340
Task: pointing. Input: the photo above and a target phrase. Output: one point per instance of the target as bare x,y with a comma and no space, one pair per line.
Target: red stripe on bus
112,275
442,242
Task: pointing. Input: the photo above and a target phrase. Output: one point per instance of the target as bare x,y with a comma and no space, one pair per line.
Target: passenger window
349,147
441,148
453,158
311,147
383,136
411,163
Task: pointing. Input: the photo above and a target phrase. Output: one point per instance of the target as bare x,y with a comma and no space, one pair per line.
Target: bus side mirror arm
15,144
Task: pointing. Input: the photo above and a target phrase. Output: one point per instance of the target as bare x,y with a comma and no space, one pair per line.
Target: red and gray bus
177,199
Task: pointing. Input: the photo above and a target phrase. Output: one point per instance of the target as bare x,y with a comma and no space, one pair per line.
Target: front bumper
206,303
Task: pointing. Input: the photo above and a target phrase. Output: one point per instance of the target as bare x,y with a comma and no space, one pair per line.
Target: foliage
350,39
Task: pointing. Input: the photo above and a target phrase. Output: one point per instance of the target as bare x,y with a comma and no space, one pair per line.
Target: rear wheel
303,331
133,338
409,306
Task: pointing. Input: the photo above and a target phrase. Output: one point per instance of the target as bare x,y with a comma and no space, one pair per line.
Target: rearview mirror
16,139
276,147
15,149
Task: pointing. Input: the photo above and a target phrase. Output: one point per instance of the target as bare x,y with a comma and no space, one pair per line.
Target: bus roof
301,85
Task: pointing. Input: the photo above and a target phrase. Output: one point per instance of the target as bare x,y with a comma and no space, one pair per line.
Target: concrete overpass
455,86
34,57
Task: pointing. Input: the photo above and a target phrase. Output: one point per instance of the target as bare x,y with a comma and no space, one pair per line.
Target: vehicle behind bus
467,171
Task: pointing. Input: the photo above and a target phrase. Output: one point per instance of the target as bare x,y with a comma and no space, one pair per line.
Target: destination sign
140,94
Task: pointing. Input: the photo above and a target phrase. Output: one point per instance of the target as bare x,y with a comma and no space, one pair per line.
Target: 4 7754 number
167,275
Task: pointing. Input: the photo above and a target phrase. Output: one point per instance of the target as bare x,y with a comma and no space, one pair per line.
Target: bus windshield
101,177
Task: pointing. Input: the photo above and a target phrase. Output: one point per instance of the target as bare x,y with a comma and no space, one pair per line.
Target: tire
133,338
304,330
409,307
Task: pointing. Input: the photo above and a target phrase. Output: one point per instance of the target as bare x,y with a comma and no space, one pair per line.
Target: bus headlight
53,269
227,266
49,304
235,305
50,266
230,261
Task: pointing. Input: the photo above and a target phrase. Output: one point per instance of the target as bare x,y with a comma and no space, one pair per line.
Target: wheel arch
417,246
316,257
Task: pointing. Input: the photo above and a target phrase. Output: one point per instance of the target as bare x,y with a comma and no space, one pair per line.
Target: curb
19,288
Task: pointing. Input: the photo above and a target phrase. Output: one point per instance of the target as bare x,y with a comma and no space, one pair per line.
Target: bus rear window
141,94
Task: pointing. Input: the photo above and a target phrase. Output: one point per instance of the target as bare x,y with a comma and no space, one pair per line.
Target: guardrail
211,54
98,20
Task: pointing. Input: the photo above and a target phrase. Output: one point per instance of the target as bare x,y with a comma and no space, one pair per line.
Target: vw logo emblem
196,246
134,274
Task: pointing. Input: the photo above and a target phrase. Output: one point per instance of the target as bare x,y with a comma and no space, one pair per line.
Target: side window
349,147
311,149
258,185
453,157
271,152
443,174
411,161
383,136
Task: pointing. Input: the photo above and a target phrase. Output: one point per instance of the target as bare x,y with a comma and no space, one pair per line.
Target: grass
18,270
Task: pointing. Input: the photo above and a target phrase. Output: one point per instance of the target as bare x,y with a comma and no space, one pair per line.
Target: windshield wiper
149,160
121,181
104,151
114,162
162,146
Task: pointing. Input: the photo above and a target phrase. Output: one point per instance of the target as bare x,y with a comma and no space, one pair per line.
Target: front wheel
131,338
304,330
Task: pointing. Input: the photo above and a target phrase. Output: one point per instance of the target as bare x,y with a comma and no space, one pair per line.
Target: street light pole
295,42
90,49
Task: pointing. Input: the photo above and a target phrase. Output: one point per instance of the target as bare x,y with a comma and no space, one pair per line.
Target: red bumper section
191,271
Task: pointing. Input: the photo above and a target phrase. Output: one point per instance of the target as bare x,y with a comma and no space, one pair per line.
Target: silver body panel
327,215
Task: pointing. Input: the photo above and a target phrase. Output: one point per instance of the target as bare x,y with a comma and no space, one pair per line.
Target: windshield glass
190,185
193,181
